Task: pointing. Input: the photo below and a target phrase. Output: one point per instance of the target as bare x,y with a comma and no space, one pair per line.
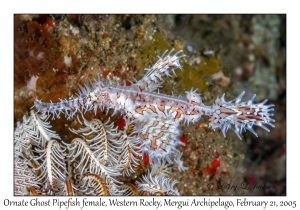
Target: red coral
209,170
33,50
216,154
214,165
184,139
146,159
120,123
105,73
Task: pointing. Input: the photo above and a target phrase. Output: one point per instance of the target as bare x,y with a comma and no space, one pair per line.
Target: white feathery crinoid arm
130,148
94,184
101,138
162,67
157,185
53,166
25,180
239,116
87,161
34,130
